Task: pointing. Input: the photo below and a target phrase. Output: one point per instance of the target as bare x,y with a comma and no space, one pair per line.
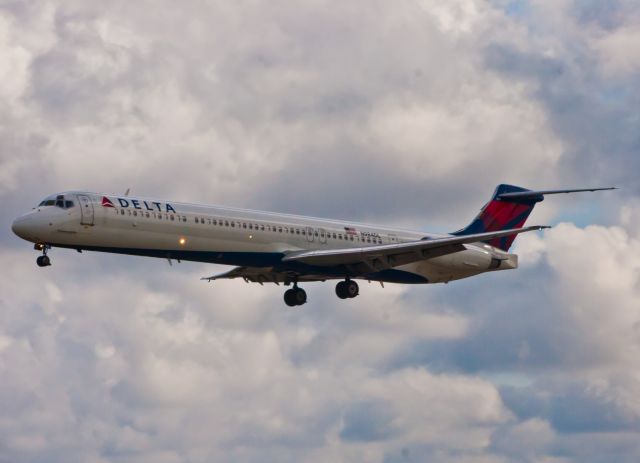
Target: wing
392,255
265,275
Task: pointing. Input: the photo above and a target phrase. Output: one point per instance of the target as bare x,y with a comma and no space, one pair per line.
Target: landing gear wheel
352,288
43,261
300,296
295,296
341,290
347,289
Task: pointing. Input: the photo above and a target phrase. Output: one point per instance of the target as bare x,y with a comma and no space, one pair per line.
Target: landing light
182,241
250,237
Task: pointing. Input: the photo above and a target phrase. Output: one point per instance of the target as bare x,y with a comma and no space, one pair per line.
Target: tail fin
503,213
509,208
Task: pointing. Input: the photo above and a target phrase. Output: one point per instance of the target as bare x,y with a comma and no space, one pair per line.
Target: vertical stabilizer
503,213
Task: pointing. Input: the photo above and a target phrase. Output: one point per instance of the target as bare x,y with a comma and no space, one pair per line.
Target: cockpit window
58,201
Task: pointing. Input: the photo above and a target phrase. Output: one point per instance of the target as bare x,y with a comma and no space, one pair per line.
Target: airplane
283,248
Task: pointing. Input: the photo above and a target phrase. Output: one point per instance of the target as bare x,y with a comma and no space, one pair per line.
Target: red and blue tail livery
509,208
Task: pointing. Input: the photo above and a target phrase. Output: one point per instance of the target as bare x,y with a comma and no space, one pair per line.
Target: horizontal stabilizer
533,194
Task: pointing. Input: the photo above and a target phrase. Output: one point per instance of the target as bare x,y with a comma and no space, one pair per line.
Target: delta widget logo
106,202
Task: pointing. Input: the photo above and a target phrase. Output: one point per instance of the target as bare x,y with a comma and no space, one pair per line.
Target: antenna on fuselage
126,193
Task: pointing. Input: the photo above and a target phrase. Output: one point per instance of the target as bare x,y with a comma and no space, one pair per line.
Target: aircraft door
86,210
309,234
323,235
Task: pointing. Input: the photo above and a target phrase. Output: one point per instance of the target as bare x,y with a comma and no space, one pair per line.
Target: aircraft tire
43,261
341,290
351,289
300,296
290,297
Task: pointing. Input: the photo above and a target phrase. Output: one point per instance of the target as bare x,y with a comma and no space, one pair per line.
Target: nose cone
20,227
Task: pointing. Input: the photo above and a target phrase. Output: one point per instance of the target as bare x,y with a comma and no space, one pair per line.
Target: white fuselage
182,231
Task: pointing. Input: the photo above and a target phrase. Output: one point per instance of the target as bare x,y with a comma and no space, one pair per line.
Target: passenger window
121,211
261,227
297,231
334,236
146,214
250,226
226,223
233,224
280,229
172,217
244,225
135,214
196,219
315,233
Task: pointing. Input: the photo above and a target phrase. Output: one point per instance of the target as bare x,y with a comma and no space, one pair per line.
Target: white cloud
619,51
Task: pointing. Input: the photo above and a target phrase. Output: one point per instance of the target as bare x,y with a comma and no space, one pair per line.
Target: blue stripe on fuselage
257,259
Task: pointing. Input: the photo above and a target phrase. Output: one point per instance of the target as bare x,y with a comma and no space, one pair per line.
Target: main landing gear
295,296
43,260
347,289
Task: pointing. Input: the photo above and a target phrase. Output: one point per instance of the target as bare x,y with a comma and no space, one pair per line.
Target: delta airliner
282,248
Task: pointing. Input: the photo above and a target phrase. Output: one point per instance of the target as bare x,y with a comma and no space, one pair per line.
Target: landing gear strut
295,296
43,260
347,289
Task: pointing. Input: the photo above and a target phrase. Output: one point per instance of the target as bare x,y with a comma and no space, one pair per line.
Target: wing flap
263,275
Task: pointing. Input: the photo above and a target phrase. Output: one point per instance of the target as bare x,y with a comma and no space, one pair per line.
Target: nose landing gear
43,260
295,296
347,289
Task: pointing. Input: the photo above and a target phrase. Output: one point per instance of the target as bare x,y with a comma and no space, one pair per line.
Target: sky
403,113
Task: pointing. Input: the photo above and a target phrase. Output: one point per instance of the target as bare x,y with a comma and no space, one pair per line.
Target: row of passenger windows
153,215
252,226
286,229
